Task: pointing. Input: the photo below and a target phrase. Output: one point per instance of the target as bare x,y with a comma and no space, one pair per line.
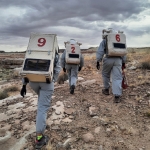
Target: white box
116,44
39,58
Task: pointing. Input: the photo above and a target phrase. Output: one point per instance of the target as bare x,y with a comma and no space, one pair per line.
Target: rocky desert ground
87,120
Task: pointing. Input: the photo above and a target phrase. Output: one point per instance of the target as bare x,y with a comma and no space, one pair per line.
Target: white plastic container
73,53
39,59
116,44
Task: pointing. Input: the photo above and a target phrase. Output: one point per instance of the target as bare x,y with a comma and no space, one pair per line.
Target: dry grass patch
5,93
90,57
11,89
138,98
130,57
49,146
143,81
63,76
147,113
145,62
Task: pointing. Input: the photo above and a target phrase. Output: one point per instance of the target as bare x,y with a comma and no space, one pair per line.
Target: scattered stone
97,130
100,147
4,135
3,117
88,137
93,111
57,112
132,68
88,82
67,120
69,111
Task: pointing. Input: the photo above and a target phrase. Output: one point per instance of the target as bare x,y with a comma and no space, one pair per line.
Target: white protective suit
44,92
113,66
72,69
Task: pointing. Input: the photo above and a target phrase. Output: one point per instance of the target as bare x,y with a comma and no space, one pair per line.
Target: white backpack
39,59
73,53
115,43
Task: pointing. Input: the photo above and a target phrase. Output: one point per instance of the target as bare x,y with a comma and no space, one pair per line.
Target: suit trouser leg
44,99
69,76
106,71
74,75
117,78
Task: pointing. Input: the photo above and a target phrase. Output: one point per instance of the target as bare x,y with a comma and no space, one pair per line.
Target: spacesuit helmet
105,32
72,41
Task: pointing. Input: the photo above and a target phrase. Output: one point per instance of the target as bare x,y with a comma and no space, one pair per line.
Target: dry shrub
62,77
89,67
4,94
143,80
147,113
93,72
132,50
11,89
90,57
130,57
138,98
145,62
49,146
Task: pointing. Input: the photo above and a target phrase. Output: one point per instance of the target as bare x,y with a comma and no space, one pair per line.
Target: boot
40,143
105,91
72,89
117,99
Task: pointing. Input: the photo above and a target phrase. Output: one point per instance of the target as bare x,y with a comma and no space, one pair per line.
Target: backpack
40,58
73,53
116,44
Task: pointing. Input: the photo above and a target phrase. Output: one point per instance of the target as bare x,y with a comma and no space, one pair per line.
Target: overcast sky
82,20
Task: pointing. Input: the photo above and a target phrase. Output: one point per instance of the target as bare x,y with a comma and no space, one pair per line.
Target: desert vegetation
5,92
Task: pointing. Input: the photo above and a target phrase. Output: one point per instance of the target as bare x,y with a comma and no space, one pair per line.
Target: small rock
88,137
67,120
97,130
69,111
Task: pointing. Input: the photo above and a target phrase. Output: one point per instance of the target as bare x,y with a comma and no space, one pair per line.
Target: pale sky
82,20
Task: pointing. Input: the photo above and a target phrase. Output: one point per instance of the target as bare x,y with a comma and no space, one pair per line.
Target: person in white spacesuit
44,92
111,66
72,68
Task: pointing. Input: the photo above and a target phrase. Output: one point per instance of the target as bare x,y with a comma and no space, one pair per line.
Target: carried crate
115,43
73,52
39,59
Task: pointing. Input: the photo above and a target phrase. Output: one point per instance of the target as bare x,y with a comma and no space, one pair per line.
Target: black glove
79,69
123,66
98,65
64,69
23,90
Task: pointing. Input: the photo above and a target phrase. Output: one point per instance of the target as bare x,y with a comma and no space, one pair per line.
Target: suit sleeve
81,61
57,69
124,58
23,81
100,52
62,63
